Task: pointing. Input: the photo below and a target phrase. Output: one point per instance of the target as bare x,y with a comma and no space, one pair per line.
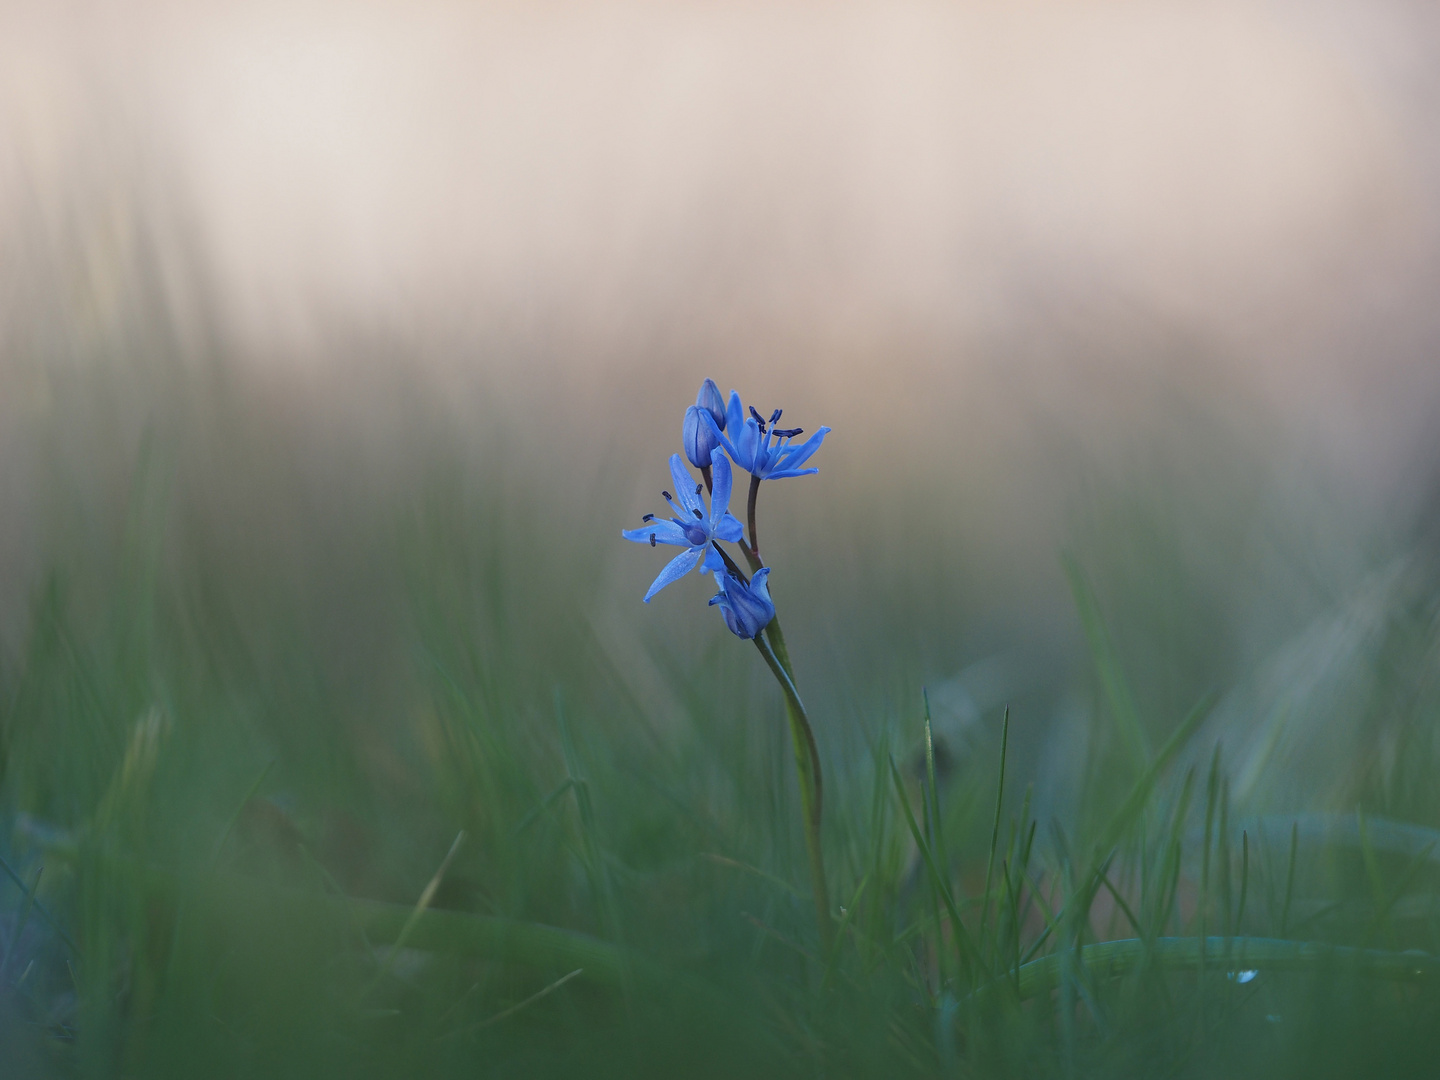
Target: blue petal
798,455
729,529
697,436
781,474
674,570
748,444
710,400
724,439
720,496
684,484
713,562
665,532
734,415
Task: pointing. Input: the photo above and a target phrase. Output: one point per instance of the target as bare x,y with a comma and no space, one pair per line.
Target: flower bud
698,437
710,400
747,609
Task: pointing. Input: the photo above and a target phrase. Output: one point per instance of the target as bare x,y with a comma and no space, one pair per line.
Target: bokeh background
337,336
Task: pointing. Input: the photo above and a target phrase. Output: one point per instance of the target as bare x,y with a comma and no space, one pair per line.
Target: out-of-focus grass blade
962,936
834,960
724,860
531,1000
1140,793
1112,959
1107,665
549,801
44,914
995,827
594,865
421,905
239,809
21,920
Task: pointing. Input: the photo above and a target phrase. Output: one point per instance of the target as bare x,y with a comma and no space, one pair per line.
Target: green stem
807,766
752,552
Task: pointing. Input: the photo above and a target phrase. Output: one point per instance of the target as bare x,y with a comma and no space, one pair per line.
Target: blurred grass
281,645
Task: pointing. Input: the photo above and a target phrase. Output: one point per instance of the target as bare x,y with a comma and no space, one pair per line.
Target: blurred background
339,338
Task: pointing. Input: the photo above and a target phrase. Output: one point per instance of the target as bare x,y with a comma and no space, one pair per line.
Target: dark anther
699,515
648,517
775,416
783,433
668,496
652,539
699,488
758,419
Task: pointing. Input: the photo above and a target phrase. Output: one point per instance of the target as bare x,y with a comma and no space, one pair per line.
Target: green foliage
236,764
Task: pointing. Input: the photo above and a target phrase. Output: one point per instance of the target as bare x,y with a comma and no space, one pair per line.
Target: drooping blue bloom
760,448
690,528
747,609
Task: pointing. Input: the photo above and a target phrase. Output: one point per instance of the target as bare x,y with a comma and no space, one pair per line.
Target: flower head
710,400
698,436
759,447
691,528
747,609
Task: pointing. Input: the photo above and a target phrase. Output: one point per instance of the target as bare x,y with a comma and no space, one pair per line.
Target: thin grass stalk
995,828
1113,959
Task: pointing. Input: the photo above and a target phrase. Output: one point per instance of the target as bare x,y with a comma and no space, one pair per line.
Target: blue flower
697,436
761,449
710,400
690,528
747,608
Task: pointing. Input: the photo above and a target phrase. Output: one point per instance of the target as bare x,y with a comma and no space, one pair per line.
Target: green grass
324,753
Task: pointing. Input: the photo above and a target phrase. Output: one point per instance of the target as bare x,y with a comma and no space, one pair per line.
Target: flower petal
796,456
713,562
729,529
734,415
665,532
684,484
674,570
710,400
748,444
720,495
723,439
782,474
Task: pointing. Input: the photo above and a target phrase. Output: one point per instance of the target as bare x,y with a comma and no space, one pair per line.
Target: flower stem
709,479
753,551
807,766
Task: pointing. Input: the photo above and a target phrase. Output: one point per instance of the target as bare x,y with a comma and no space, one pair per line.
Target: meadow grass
338,772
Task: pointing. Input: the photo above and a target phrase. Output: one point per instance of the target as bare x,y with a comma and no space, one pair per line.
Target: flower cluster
713,435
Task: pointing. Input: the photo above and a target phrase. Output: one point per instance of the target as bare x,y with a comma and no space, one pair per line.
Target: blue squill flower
747,609
760,448
710,400
698,436
690,528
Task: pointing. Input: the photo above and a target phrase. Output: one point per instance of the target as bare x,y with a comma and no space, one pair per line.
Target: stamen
699,515
668,496
648,517
699,488
782,433
758,419
775,416
652,539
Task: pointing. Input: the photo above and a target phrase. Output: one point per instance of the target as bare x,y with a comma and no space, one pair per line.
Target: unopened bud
710,400
698,436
